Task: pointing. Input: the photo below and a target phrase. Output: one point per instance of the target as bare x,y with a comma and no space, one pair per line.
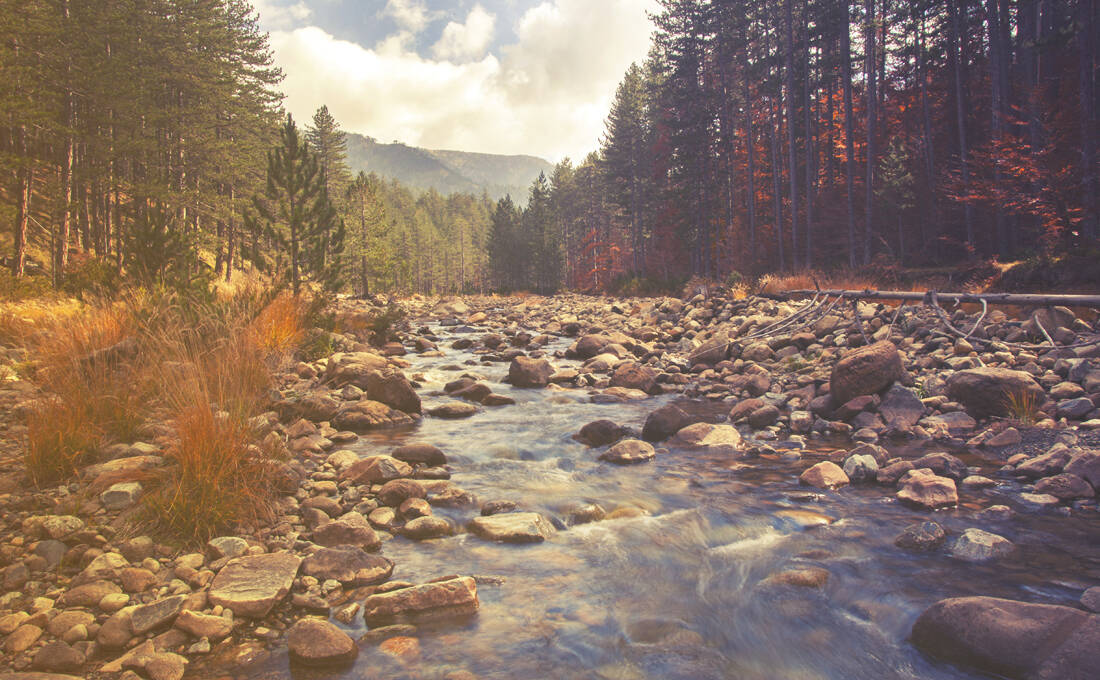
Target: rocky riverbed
589,487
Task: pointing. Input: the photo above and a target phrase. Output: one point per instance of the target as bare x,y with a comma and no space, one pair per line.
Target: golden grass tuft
1023,406
279,327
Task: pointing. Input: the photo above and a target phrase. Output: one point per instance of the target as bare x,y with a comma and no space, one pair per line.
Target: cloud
547,94
461,42
410,15
275,15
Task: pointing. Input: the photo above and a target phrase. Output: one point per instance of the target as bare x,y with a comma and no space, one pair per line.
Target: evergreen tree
298,214
330,145
505,258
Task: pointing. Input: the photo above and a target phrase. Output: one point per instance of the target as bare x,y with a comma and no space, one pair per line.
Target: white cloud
410,15
275,15
469,40
547,94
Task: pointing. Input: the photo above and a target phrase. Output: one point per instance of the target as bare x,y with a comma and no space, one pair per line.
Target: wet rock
424,528
512,527
376,469
453,410
204,625
350,565
56,656
156,615
671,418
1091,599
808,577
890,474
497,507
453,597
975,545
396,492
1012,639
923,488
635,376
943,464
599,433
921,537
393,389
723,438
528,372
366,415
315,642
763,417
1086,465
587,513
867,370
629,451
861,468
1065,487
900,409
988,392
251,586
824,475
419,453
1050,463
351,529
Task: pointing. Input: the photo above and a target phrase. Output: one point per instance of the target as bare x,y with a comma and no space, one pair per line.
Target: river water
679,592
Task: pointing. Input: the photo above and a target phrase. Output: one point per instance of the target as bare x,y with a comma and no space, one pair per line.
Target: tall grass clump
1023,406
213,379
94,394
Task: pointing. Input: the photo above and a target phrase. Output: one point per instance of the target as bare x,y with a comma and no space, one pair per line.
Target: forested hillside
445,171
127,154
790,134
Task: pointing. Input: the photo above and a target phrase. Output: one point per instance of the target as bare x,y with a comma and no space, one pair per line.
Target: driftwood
1019,299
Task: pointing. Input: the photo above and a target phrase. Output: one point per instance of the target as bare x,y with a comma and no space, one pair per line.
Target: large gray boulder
989,392
1012,639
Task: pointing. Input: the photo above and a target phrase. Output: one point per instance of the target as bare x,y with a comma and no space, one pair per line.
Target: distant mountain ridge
447,171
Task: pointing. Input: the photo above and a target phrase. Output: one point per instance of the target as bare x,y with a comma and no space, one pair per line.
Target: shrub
60,439
383,324
87,276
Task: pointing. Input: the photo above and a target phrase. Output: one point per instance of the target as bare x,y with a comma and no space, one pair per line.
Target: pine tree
505,257
298,213
330,145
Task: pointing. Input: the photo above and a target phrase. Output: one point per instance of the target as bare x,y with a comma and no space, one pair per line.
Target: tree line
147,137
789,134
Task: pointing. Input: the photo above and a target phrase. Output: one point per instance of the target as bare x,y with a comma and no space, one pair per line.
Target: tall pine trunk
849,135
870,71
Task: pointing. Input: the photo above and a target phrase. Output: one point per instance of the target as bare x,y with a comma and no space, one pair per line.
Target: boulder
366,414
636,377
419,453
724,438
1011,639
861,468
352,529
921,537
453,410
393,389
867,370
900,408
975,545
1086,465
710,352
671,418
824,475
350,565
527,372
453,597
376,470
599,433
427,527
629,451
316,642
986,392
251,586
353,368
923,488
1065,487
512,527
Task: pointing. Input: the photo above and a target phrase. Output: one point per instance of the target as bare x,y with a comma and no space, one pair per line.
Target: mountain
447,171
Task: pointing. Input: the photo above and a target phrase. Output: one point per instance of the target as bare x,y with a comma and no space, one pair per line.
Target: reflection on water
681,590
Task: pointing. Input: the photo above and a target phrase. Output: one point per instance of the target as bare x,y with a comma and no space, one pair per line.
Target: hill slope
447,171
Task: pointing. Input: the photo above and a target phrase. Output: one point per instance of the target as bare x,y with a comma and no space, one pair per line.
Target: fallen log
1019,299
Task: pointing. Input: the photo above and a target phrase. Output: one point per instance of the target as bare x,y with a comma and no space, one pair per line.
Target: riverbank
432,457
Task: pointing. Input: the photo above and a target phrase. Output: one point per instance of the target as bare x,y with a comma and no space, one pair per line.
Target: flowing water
679,592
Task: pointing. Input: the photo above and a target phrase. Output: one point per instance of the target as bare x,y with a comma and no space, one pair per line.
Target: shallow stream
679,592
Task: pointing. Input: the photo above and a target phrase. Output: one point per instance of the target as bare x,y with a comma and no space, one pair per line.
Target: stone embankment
85,594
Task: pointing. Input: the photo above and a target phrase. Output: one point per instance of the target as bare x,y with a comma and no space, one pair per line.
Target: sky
495,76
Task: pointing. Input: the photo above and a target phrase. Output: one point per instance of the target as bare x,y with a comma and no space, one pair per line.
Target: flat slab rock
441,599
512,527
1012,639
251,586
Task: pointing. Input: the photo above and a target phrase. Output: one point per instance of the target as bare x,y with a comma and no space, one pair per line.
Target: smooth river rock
251,586
512,527
316,642
1013,639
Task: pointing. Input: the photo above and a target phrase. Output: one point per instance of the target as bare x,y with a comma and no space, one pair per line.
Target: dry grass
1023,406
812,280
203,367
